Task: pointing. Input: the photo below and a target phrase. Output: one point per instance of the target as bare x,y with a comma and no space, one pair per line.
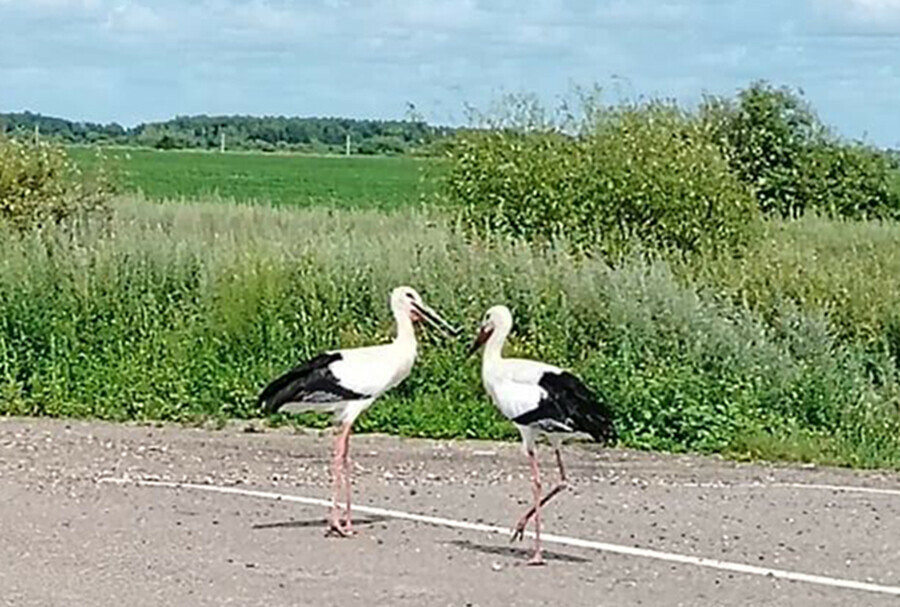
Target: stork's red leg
536,558
336,526
519,531
348,471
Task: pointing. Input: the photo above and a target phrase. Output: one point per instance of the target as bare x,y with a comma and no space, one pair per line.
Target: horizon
131,62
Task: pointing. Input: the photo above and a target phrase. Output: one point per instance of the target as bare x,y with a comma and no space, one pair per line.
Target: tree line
267,133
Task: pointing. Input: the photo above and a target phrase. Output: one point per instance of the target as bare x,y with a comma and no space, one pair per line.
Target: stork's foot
347,526
339,529
536,560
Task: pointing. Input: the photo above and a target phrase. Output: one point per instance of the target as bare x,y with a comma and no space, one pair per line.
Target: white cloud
265,17
730,57
74,5
452,14
642,13
133,17
875,7
43,7
861,16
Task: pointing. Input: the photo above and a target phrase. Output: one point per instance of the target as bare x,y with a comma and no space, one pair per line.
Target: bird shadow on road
520,553
318,522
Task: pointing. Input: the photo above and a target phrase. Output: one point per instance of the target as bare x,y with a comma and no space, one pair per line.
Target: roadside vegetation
712,315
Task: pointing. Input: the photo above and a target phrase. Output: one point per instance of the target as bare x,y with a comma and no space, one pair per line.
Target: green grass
184,311
282,179
848,271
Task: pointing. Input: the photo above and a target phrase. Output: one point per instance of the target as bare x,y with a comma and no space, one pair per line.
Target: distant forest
268,133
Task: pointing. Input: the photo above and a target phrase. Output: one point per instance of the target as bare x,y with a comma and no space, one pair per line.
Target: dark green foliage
853,181
59,129
266,133
646,173
778,146
788,349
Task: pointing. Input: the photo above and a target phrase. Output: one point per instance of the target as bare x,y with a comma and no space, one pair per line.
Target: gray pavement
67,537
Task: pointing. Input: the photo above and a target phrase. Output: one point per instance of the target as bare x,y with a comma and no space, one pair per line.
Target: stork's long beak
434,319
482,337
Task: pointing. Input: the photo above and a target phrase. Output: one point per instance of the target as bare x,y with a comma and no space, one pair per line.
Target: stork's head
405,301
497,319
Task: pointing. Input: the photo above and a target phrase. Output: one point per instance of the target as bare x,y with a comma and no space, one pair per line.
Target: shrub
39,184
853,181
779,147
646,173
654,174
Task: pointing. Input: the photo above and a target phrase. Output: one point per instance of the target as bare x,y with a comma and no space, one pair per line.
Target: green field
281,179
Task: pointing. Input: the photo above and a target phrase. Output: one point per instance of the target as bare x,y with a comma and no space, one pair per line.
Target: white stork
540,399
347,382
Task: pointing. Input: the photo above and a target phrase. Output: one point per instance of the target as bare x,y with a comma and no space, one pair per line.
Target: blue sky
141,60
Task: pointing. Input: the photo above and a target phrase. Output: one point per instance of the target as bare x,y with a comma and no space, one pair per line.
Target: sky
134,61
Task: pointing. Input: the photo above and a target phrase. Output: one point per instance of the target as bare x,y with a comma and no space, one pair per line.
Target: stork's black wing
570,405
310,383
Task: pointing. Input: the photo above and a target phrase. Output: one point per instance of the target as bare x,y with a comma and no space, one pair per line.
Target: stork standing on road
347,382
539,399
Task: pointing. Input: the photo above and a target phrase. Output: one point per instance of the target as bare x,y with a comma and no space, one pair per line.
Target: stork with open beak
540,399
347,382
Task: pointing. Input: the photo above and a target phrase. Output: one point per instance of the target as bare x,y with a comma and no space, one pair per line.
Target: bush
656,175
39,185
647,173
853,181
778,146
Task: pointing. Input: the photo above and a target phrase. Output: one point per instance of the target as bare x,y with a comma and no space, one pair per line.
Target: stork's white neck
493,348
406,333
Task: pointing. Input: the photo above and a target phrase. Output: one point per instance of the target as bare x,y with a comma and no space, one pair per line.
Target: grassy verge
184,311
282,179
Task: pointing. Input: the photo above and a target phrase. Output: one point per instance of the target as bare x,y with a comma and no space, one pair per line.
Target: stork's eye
410,296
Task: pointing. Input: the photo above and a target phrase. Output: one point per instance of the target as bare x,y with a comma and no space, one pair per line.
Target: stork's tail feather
591,414
279,401
307,387
600,427
268,401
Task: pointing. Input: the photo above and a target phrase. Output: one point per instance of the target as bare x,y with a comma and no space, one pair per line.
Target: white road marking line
659,555
813,486
841,488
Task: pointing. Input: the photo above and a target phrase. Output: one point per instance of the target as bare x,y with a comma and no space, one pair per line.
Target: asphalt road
70,536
